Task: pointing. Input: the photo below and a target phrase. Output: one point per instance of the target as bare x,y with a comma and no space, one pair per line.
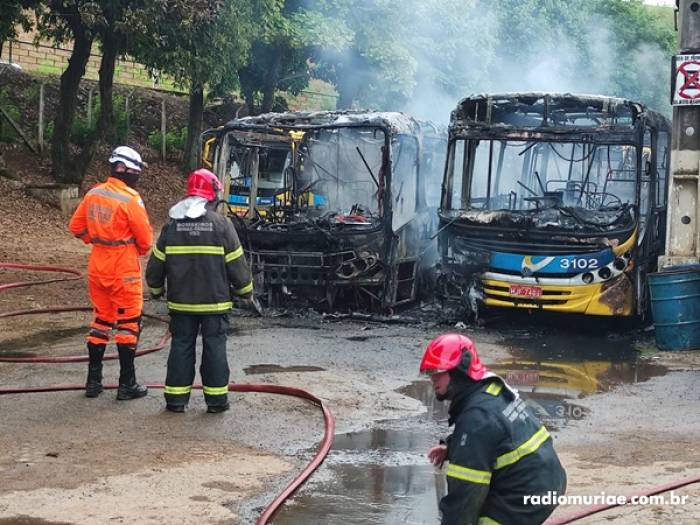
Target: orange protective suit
113,219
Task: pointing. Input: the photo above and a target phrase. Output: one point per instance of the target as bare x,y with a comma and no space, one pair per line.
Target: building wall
45,59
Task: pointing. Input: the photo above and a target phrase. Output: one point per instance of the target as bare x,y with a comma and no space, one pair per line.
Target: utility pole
682,228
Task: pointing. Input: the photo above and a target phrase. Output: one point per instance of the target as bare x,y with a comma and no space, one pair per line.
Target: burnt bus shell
468,238
369,267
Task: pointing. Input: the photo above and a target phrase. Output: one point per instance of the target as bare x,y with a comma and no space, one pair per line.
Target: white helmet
127,156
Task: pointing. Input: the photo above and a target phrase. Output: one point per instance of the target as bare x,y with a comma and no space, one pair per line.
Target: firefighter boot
93,385
128,387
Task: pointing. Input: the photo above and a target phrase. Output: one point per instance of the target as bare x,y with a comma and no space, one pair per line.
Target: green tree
202,44
372,64
14,13
280,58
63,21
642,40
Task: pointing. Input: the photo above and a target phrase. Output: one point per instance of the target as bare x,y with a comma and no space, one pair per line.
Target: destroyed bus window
405,179
272,163
343,165
536,175
432,166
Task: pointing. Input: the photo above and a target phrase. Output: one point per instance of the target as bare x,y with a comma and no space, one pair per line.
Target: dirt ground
68,459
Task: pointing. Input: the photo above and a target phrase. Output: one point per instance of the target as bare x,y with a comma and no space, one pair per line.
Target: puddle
73,339
277,369
380,475
12,354
10,347
553,368
361,338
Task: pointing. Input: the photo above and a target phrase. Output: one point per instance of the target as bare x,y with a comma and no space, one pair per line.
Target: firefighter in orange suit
112,218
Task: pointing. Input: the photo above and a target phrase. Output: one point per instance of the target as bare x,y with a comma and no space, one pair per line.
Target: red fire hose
76,358
274,506
594,509
299,480
329,421
75,274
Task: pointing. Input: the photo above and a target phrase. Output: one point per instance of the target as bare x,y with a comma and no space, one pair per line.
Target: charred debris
335,210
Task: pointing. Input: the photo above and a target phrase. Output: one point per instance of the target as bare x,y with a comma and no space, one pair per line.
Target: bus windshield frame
530,175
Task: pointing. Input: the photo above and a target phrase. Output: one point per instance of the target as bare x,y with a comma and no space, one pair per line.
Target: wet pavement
277,369
378,475
382,475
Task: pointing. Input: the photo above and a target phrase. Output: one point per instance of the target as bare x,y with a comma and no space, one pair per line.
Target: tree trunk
271,81
63,166
194,127
249,97
105,130
111,46
347,89
345,97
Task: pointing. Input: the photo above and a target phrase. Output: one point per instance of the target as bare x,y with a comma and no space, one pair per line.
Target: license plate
525,291
522,378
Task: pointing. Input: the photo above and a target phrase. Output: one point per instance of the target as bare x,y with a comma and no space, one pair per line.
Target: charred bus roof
548,115
394,122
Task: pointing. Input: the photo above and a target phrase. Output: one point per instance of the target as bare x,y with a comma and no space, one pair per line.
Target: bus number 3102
579,263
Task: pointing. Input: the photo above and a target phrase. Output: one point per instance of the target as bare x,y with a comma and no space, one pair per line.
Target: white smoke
554,62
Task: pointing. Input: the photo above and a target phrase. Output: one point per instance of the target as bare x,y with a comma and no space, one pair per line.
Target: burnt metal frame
463,128
389,291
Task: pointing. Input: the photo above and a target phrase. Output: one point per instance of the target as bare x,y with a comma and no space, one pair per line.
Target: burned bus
554,202
335,210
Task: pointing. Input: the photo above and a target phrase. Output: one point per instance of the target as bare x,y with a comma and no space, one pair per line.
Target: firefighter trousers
117,304
181,361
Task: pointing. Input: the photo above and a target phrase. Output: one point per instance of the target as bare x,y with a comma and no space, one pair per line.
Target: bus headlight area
614,296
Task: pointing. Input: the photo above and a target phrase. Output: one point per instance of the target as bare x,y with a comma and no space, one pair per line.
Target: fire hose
329,421
75,274
290,489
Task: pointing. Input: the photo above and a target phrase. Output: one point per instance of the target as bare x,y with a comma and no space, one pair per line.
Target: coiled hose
274,506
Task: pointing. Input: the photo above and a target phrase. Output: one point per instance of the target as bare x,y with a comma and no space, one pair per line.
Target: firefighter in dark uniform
499,452
199,260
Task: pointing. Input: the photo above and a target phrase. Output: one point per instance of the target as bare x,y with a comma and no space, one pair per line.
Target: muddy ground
626,421
624,416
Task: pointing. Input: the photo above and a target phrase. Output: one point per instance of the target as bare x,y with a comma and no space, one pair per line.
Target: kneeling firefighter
499,452
199,260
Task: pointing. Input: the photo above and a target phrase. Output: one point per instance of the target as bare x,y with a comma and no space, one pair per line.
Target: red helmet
203,183
449,351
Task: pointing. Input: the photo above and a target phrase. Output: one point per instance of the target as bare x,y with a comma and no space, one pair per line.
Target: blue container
675,305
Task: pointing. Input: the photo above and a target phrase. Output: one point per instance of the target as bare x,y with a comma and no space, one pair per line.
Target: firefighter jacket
113,219
198,260
498,454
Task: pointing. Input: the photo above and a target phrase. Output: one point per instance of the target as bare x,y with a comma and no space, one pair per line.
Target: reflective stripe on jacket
112,218
498,453
199,262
